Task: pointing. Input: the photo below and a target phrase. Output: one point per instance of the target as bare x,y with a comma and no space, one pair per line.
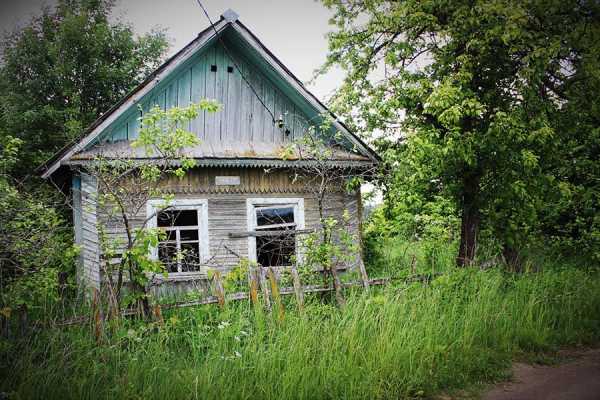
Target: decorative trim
248,163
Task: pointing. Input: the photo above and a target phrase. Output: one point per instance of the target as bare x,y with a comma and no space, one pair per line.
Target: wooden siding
227,210
242,118
77,224
90,250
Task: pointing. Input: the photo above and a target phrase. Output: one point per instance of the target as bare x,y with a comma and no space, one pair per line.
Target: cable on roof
236,65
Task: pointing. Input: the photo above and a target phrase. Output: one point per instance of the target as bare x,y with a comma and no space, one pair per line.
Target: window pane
188,234
272,216
167,254
170,235
276,250
177,218
190,257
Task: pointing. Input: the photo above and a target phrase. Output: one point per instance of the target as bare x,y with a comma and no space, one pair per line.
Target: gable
208,68
212,73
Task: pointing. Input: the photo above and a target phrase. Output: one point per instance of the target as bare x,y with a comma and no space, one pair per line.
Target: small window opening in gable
213,68
230,69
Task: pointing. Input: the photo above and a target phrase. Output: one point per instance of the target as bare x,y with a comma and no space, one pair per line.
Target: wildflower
223,324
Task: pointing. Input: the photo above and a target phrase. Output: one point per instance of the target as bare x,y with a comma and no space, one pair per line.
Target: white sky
294,30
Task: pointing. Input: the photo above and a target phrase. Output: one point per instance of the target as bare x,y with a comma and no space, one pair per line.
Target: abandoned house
240,183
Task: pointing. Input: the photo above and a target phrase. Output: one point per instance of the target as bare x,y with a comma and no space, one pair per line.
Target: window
185,244
274,222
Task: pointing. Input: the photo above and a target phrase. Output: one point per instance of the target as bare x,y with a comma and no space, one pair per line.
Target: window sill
180,277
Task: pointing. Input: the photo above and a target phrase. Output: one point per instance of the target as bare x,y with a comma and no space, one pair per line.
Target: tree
65,69
334,244
35,241
125,186
472,89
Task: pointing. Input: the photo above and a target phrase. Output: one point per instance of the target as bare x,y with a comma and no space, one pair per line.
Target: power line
235,63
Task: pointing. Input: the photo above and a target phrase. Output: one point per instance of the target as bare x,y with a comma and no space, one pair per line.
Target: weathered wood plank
245,234
297,287
198,92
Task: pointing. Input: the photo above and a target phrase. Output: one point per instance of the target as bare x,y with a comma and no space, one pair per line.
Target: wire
235,63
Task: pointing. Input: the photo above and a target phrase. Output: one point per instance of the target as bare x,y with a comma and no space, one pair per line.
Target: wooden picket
297,287
219,289
275,293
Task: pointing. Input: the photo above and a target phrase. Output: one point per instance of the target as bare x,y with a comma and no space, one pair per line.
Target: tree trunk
469,222
513,259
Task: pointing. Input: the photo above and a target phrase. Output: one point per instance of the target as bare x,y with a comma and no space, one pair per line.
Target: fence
263,288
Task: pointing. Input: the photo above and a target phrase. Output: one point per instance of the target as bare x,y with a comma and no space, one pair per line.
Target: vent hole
230,69
213,68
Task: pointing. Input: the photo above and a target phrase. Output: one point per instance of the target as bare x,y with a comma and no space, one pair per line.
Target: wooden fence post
263,286
275,293
98,317
363,275
297,287
157,311
253,285
219,289
337,285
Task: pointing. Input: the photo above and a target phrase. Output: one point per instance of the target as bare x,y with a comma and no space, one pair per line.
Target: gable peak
230,16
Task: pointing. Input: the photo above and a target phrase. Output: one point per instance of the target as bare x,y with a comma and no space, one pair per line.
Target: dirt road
578,378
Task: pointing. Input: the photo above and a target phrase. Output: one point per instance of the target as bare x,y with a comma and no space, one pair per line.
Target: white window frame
201,205
297,203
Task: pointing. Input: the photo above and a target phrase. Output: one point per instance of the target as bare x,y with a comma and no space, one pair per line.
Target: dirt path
578,378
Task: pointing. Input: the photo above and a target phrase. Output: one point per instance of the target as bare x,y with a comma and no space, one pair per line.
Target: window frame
253,203
201,206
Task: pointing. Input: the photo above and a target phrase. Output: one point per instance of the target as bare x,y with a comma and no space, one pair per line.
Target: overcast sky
294,30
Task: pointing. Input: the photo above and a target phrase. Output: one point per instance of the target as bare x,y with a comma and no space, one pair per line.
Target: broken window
275,235
180,249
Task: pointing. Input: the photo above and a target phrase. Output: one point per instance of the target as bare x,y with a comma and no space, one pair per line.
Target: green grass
407,340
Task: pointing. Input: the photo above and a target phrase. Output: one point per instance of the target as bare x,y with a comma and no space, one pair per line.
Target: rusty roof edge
245,162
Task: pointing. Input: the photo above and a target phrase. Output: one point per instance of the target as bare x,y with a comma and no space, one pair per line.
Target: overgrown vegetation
408,340
57,75
482,113
490,145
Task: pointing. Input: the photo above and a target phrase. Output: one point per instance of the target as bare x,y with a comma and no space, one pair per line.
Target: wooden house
240,182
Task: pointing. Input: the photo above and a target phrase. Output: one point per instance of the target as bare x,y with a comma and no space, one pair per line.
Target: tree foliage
35,240
58,74
66,68
480,102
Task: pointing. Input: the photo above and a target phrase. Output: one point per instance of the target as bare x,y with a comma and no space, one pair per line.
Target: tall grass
409,340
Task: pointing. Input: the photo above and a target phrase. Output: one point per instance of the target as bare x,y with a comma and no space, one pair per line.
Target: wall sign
227,180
